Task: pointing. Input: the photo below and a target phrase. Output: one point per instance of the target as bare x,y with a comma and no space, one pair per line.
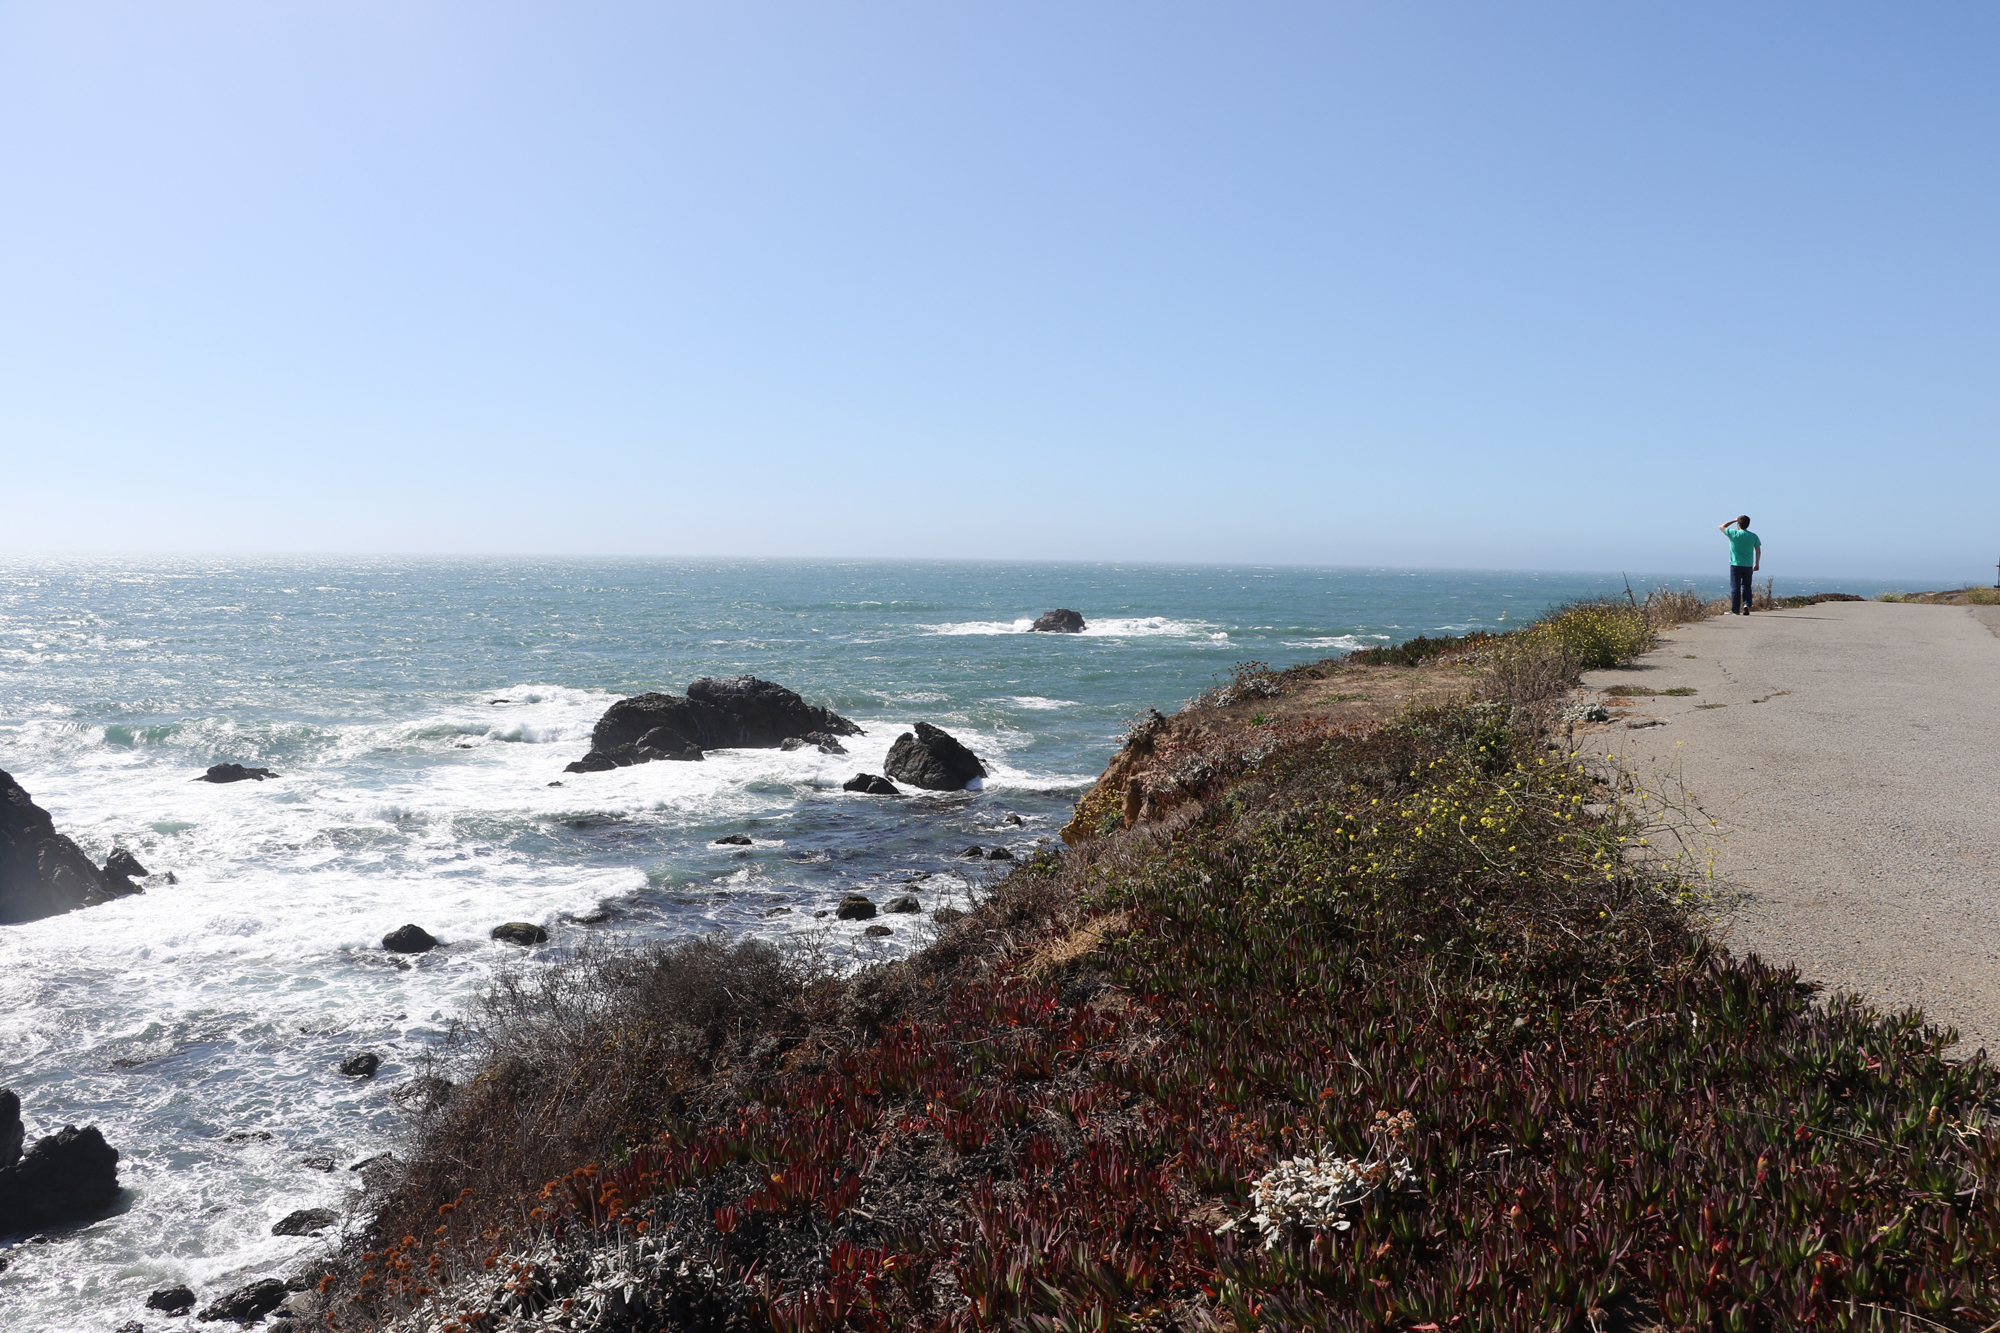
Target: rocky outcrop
1060,621
64,1178
409,939
121,868
174,1300
870,785
819,740
249,1302
362,1064
12,1132
854,907
716,713
932,758
43,873
304,1222
236,773
523,933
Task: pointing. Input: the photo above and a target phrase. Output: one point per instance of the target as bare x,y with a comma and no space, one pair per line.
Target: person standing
1746,557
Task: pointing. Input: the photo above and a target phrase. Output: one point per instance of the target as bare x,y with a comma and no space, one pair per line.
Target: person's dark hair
1744,522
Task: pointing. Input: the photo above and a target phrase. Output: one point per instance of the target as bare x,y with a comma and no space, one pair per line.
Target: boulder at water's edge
64,1178
717,713
931,757
43,873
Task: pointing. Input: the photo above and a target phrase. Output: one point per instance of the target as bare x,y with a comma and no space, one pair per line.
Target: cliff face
42,873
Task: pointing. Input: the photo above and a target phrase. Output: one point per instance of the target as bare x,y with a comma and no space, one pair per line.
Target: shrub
1596,634
1983,596
1665,608
1415,652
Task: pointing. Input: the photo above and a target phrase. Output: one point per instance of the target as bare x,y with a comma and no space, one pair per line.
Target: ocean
421,712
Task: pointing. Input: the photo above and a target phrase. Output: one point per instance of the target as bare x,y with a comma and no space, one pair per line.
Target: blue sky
1527,286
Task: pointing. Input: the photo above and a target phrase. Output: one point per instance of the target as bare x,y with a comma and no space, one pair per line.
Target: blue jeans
1739,588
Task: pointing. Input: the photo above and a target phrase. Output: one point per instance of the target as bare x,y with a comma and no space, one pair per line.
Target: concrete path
1855,767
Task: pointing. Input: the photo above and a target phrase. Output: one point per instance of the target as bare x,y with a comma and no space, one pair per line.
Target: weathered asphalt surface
1861,810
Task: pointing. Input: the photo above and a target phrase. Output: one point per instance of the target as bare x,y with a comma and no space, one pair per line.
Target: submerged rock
879,930
523,933
854,907
717,713
972,853
66,1177
824,743
870,785
305,1222
1060,621
409,939
907,903
42,872
252,1301
999,854
932,757
733,840
236,773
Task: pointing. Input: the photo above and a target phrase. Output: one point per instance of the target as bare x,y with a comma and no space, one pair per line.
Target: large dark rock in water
410,938
43,873
870,785
1061,621
235,773
304,1222
246,1303
931,757
12,1132
717,713
524,933
64,1178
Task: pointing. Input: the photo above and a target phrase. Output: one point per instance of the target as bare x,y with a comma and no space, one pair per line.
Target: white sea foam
1110,627
1036,703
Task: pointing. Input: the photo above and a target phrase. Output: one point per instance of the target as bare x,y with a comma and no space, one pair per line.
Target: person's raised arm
1726,525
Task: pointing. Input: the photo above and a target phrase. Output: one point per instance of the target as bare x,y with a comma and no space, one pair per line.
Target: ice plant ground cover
1611,1122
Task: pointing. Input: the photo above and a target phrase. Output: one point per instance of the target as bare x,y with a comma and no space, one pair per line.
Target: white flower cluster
1314,1190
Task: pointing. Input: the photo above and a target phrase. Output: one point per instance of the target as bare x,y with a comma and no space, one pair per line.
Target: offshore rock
246,1303
523,933
361,1065
174,1300
42,873
733,840
931,757
235,773
121,868
717,713
64,1178
409,939
819,740
11,1130
1061,621
870,785
854,907
305,1222
907,903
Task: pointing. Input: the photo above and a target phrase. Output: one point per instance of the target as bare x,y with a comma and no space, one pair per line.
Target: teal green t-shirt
1742,546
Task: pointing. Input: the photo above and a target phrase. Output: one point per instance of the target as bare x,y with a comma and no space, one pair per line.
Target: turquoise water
419,712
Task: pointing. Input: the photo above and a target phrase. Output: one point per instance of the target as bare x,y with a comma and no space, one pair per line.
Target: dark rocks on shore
304,1222
717,713
322,1162
907,903
12,1131
65,1177
523,933
251,1301
931,757
972,854
854,907
174,1300
879,930
870,785
819,740
42,872
409,939
733,840
1060,621
999,854
362,1064
236,773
